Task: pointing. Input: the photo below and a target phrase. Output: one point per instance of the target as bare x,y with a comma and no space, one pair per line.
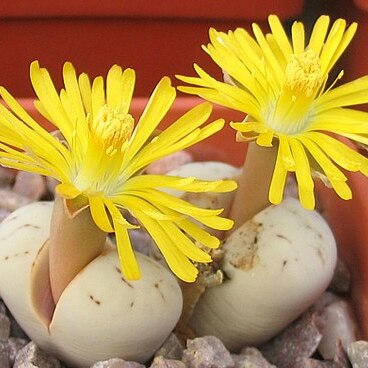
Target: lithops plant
73,283
290,107
276,266
100,314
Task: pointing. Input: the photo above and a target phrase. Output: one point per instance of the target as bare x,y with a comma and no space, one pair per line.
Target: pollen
112,129
303,73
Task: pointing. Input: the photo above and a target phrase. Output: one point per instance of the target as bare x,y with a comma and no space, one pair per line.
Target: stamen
303,73
339,76
112,129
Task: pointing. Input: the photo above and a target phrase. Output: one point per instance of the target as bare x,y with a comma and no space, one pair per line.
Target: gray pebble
4,327
336,323
4,214
341,280
161,362
10,201
358,354
7,176
51,183
298,341
326,299
314,363
341,359
4,358
205,352
31,356
171,348
117,363
14,345
251,358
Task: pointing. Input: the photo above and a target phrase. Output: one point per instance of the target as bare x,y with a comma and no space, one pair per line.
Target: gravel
358,354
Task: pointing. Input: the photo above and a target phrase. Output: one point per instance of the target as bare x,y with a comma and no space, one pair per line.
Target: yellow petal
348,94
128,83
98,212
176,260
73,92
136,201
158,105
278,181
340,153
344,43
114,87
86,92
206,132
180,205
319,33
188,122
335,176
265,139
229,61
189,184
303,175
98,95
21,113
67,190
128,261
198,233
280,35
268,54
184,244
46,92
298,37
337,41
216,222
331,45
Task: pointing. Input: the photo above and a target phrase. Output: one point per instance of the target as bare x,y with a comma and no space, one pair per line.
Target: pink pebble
30,185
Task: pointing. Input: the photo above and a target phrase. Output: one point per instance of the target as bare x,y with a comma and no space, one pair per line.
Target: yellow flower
281,85
102,154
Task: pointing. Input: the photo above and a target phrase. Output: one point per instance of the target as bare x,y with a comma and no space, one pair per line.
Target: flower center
111,130
303,81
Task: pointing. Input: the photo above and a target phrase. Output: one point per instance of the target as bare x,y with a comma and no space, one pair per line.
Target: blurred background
156,38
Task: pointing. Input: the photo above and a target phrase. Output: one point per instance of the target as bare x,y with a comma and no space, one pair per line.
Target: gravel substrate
295,347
